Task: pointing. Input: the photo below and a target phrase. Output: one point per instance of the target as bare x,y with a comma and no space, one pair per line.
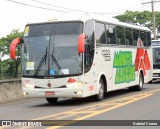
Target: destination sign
156,43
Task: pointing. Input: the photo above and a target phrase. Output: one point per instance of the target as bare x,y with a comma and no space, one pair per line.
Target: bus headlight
74,85
31,86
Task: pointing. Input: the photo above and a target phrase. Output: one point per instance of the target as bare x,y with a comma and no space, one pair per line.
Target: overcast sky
15,16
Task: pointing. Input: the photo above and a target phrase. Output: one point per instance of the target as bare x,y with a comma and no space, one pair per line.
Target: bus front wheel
100,95
52,100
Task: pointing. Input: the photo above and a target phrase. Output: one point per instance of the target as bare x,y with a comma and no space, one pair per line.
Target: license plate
49,93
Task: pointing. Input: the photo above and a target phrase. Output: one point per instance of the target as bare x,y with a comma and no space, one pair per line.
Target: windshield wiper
56,62
44,58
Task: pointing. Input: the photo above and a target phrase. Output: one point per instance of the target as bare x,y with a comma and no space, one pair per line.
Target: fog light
31,86
25,93
78,92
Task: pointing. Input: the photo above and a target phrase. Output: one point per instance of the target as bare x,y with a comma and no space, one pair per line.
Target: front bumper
156,75
77,92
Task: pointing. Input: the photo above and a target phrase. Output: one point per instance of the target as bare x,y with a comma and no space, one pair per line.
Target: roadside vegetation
9,68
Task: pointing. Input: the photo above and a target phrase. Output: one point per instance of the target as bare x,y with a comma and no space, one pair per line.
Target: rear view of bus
156,58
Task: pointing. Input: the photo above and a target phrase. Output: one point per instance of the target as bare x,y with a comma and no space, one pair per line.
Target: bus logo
106,54
125,69
142,60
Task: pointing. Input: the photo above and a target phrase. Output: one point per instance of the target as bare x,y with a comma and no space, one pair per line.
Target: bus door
89,69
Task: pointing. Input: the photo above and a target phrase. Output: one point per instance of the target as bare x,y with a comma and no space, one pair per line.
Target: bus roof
85,17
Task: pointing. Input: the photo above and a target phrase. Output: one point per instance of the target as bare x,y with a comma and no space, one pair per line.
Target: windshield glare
51,49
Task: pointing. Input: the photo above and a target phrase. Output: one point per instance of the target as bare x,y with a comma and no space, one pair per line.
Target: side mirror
13,46
81,46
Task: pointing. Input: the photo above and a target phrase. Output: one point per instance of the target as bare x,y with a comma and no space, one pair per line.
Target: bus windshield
156,58
50,49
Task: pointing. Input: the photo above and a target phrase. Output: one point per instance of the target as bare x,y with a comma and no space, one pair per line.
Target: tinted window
89,31
111,37
57,29
129,36
148,39
51,49
100,33
120,35
143,37
156,58
135,37
89,47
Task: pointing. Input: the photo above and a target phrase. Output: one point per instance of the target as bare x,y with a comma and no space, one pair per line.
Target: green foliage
6,41
157,15
143,18
10,67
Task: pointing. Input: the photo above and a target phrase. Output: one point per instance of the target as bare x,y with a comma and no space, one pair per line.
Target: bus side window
111,37
120,35
135,37
148,39
89,45
129,36
143,37
87,55
100,33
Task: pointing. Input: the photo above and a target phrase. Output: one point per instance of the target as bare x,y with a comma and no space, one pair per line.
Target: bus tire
138,87
100,95
52,100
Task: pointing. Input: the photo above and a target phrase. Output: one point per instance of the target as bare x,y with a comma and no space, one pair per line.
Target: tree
4,48
143,18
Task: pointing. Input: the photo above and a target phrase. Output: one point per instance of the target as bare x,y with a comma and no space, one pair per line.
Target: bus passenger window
143,37
135,37
111,37
100,33
129,37
120,35
148,39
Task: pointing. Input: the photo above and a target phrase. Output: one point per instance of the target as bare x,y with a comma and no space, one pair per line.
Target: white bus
83,57
156,59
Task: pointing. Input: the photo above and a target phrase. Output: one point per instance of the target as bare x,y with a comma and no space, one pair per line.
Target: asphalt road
118,105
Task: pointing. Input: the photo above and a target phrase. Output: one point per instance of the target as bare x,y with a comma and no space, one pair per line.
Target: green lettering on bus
125,69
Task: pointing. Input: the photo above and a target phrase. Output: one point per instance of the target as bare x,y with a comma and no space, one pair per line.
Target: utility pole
153,17
153,20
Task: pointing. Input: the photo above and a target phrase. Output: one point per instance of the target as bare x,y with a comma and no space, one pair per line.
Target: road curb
10,92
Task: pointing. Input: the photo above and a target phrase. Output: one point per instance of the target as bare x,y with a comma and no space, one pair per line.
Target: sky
15,15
